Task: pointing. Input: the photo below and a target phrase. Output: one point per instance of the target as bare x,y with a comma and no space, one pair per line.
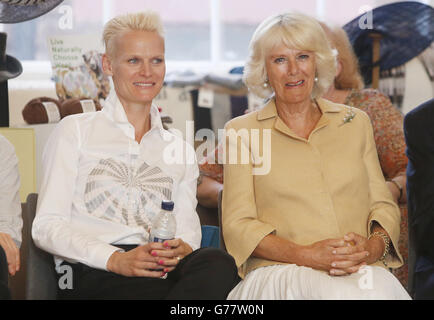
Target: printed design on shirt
124,194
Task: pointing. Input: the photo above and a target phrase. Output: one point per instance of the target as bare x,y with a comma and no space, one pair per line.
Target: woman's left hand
358,252
11,251
174,251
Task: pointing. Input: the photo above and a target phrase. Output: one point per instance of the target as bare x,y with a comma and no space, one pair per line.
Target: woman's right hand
11,251
319,255
138,262
322,254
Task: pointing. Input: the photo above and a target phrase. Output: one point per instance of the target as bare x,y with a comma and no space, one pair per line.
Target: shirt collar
114,109
270,111
327,106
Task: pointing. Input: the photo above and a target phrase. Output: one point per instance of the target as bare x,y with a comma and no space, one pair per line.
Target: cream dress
291,282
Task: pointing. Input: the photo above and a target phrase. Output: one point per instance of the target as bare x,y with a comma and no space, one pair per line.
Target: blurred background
205,40
199,33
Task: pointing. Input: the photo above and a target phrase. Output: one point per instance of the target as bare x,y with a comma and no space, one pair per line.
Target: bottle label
156,239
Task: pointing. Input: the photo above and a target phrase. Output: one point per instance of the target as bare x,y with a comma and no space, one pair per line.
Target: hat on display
13,11
405,29
10,67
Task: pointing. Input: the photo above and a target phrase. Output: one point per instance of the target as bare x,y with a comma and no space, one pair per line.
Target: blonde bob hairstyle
349,77
296,31
141,21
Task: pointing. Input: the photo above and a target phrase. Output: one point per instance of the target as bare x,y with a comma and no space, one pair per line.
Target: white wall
418,87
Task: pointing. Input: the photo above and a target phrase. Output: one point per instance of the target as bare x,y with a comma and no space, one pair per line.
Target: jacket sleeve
51,229
11,221
242,230
188,224
383,209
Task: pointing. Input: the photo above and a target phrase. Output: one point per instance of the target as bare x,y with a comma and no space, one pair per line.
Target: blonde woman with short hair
105,178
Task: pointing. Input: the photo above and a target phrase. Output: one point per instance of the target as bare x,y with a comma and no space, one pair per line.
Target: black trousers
424,285
205,274
4,276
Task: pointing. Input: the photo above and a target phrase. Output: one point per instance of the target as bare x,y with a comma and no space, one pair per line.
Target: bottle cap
167,205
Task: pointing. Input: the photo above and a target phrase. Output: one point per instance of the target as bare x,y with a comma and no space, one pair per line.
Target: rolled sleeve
188,223
51,228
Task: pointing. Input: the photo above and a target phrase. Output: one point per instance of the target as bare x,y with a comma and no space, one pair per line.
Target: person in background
323,211
419,135
210,181
11,221
105,176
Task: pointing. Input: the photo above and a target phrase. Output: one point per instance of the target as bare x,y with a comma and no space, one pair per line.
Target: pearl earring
265,85
316,79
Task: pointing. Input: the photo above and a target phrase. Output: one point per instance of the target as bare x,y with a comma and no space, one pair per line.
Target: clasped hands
344,256
150,260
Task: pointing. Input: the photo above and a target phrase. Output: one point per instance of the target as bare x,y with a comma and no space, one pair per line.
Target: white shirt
11,221
100,187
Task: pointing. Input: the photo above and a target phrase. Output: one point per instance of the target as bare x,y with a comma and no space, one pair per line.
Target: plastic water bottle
164,224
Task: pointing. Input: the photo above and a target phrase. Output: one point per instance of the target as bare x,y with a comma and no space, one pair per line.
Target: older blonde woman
323,213
348,89
105,179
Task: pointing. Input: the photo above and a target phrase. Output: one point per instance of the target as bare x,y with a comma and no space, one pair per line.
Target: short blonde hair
296,31
349,77
141,21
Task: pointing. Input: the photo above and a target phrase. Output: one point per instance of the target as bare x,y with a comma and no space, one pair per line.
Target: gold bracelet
386,240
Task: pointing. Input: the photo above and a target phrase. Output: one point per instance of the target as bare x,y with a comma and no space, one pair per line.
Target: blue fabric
424,279
407,29
419,135
210,237
237,70
239,105
20,11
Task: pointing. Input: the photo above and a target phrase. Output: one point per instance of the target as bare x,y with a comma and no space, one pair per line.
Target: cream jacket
303,190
